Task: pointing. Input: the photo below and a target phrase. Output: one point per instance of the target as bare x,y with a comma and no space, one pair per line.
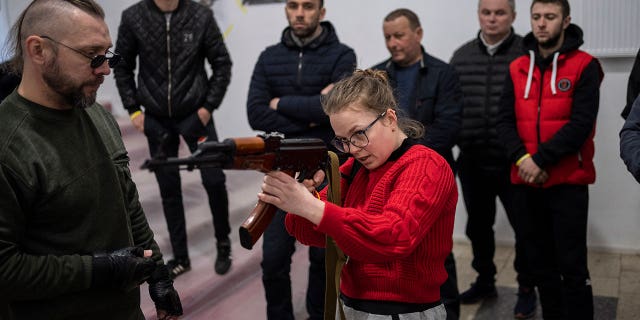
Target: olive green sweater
65,193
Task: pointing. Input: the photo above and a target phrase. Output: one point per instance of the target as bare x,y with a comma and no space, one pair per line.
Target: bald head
51,17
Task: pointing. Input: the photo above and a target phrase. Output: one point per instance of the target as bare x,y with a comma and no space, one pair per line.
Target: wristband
522,159
316,194
135,114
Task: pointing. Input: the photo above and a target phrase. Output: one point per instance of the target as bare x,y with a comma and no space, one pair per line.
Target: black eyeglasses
96,61
358,139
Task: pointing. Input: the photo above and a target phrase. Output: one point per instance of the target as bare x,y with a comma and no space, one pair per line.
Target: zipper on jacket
540,105
299,78
579,159
487,96
168,29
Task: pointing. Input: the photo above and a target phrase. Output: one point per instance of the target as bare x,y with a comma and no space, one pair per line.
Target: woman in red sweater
396,221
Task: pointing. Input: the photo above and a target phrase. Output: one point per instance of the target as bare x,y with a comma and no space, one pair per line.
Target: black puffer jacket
482,79
296,75
172,80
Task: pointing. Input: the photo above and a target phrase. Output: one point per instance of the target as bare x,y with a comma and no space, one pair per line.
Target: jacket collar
391,67
328,35
503,46
151,4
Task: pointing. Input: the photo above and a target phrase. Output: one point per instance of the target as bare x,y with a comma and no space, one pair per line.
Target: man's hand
138,122
164,295
204,115
123,269
531,173
273,104
326,89
542,177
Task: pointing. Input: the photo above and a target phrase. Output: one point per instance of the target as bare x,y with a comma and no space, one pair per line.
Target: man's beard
306,32
62,85
552,42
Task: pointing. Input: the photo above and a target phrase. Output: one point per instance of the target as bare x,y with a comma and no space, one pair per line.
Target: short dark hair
414,22
321,3
566,9
42,14
511,3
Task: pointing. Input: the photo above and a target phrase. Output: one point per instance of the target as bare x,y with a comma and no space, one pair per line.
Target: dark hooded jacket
172,80
630,140
571,137
633,86
296,74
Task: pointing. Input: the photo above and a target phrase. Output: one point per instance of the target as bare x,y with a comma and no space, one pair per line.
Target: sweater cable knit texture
395,226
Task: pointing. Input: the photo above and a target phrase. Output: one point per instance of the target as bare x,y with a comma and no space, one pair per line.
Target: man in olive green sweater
74,241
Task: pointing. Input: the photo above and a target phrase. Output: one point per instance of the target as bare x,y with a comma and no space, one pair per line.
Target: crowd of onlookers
74,240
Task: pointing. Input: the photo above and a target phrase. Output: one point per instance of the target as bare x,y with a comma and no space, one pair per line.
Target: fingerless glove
123,269
162,292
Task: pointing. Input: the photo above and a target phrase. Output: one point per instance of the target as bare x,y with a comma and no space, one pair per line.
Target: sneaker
223,260
178,266
526,305
477,293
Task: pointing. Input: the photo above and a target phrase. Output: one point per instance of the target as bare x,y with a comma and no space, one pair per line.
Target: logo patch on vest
564,85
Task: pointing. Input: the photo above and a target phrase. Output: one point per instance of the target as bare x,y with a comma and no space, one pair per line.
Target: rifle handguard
263,153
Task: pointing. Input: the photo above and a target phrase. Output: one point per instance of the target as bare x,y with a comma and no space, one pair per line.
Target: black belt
386,307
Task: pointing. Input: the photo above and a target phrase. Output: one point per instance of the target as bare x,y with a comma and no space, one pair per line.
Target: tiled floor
239,294
613,275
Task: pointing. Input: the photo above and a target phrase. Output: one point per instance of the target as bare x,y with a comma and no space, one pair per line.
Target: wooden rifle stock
264,153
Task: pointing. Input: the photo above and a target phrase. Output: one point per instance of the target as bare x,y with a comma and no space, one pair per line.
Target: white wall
614,209
4,23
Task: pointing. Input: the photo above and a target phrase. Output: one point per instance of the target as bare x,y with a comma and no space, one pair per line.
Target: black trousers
163,135
449,293
481,185
277,248
449,289
554,229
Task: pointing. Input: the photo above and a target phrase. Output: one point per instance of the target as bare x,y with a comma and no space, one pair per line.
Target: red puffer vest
543,106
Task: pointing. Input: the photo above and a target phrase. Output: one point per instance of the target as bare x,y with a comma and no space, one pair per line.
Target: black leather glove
123,269
163,294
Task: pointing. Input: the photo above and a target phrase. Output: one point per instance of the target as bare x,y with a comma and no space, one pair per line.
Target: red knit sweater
395,226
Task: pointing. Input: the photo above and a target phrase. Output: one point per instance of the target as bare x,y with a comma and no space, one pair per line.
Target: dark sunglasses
96,61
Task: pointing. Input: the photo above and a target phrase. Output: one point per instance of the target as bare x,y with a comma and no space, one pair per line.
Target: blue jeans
277,248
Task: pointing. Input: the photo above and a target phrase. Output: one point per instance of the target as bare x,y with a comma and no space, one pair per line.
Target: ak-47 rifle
263,153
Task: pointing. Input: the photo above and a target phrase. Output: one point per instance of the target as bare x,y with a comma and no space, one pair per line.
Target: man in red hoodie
547,118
